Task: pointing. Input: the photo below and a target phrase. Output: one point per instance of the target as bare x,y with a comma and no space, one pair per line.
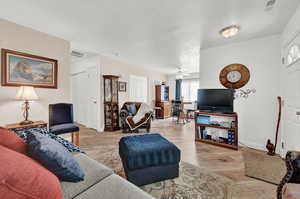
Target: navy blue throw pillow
131,109
55,157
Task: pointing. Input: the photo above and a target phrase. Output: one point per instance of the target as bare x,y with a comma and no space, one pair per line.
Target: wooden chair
178,111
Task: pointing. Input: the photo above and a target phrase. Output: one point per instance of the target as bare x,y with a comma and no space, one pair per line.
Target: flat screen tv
215,100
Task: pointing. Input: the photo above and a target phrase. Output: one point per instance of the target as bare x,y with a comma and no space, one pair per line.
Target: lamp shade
26,93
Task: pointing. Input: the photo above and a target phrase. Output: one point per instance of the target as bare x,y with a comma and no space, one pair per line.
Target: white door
93,104
86,97
291,109
138,89
78,97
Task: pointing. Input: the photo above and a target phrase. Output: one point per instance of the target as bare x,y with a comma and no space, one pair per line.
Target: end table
14,127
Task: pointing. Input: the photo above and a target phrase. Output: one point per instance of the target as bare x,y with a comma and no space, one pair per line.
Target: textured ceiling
163,34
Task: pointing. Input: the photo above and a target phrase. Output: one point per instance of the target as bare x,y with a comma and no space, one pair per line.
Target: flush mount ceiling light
230,31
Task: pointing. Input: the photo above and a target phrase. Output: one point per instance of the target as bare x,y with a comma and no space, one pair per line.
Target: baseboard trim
252,145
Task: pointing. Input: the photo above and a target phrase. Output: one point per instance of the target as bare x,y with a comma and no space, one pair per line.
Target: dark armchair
289,188
61,120
124,113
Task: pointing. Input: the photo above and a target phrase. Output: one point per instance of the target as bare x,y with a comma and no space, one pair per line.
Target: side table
14,127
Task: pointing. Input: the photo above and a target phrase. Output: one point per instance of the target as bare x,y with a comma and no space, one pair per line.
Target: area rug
263,167
193,182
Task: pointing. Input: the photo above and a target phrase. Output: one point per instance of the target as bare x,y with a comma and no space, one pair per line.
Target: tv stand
206,111
216,111
203,124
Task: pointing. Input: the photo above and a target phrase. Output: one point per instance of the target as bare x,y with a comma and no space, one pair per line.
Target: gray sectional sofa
100,183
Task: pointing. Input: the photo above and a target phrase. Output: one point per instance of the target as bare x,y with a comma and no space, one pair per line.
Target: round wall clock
234,76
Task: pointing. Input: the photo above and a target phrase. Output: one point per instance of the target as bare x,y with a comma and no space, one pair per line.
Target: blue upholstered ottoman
149,158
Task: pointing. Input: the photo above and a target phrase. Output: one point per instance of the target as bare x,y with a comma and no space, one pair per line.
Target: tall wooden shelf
223,142
162,102
111,103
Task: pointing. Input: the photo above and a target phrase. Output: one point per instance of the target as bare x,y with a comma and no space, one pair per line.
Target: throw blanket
71,147
141,117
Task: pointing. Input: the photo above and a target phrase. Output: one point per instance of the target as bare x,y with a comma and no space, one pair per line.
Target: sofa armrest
123,114
292,161
293,155
293,164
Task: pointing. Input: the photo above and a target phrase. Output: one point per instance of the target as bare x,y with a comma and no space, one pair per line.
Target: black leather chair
61,120
288,187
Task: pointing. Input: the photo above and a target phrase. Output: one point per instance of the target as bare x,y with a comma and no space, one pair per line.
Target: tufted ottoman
149,158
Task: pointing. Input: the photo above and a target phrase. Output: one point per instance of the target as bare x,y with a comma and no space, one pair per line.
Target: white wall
110,66
290,82
80,65
19,38
258,113
172,86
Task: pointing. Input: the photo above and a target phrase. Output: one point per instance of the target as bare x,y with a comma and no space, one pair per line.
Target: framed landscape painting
22,69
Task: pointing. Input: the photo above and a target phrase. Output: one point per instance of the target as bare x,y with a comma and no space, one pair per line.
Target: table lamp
26,93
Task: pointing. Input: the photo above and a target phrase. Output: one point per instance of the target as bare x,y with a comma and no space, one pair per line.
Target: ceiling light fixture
230,31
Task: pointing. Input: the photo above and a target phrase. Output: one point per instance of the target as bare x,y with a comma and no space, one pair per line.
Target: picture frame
23,69
122,86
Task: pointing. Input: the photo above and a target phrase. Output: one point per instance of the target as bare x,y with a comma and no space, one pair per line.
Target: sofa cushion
64,128
114,187
23,178
131,109
55,157
148,150
12,141
94,173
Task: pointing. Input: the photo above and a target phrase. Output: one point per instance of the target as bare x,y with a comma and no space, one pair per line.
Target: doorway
86,93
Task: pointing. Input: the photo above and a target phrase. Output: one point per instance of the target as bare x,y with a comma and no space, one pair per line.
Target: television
215,100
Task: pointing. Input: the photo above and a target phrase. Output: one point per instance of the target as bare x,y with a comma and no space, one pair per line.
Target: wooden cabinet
164,111
163,106
111,103
161,93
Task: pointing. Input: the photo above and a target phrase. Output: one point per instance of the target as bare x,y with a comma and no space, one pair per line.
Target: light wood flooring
220,160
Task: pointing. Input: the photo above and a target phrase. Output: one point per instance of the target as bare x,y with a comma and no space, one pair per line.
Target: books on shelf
203,119
215,120
217,129
231,137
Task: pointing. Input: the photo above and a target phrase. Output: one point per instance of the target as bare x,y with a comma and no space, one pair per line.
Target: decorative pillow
22,133
131,109
12,141
55,157
23,178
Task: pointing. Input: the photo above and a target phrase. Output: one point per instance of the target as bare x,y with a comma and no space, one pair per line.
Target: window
189,89
138,87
